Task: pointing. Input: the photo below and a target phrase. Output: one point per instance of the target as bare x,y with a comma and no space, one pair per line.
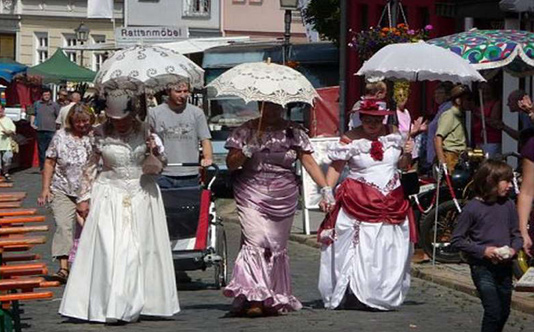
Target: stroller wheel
221,268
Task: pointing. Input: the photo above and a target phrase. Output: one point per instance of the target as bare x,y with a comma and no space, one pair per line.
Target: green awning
59,68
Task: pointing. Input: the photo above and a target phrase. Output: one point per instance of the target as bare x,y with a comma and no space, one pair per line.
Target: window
197,8
41,47
69,40
98,57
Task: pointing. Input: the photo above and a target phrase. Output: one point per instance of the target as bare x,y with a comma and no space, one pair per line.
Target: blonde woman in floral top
65,158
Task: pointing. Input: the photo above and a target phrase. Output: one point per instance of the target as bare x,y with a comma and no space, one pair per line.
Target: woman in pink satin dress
266,193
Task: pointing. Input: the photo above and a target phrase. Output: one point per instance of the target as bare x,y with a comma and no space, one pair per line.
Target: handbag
152,164
410,183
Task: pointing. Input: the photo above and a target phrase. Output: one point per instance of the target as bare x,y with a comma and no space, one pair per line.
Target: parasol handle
260,123
483,117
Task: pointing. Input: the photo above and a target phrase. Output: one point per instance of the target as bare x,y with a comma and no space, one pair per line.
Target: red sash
367,204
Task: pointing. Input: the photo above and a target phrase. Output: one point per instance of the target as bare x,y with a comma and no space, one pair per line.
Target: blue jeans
172,182
494,286
43,141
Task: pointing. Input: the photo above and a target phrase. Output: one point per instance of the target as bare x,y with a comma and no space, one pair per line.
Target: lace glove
251,147
159,143
328,195
249,150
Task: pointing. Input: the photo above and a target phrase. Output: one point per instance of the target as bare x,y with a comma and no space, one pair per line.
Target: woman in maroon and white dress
365,258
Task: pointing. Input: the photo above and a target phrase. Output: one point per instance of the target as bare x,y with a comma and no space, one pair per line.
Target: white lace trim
339,151
392,184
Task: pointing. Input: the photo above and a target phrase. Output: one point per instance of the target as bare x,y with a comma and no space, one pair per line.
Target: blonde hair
401,91
76,110
372,88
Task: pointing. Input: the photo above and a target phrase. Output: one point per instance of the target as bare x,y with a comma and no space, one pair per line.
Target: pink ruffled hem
262,276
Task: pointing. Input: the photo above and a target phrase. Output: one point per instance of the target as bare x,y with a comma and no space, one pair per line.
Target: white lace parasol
260,81
141,69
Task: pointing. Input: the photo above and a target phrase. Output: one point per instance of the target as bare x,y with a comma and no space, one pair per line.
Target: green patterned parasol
489,49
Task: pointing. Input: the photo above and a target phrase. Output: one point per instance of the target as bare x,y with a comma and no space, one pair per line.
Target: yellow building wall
56,28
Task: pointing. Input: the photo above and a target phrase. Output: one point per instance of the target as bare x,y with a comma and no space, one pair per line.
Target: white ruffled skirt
372,259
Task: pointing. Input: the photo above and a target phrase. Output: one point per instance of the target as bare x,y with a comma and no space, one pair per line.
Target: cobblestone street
429,307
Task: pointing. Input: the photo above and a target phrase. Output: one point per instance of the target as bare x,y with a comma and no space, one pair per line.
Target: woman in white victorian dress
365,257
123,268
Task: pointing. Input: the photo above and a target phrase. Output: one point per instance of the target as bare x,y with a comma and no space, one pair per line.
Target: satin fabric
266,194
123,267
370,249
373,260
363,202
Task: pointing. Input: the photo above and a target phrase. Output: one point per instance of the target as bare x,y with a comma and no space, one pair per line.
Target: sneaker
7,177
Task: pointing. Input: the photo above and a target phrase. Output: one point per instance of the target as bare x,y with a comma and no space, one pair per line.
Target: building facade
32,30
259,19
201,17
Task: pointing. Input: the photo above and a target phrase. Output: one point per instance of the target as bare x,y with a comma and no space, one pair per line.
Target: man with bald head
74,98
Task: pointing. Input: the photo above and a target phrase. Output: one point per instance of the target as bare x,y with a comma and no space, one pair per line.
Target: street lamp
288,6
82,35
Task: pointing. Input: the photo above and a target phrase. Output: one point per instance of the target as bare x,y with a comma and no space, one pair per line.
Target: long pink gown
266,193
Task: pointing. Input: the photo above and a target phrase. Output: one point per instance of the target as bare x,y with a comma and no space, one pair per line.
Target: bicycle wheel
447,219
221,268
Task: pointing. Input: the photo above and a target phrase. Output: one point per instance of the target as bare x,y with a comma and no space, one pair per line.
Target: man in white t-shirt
74,97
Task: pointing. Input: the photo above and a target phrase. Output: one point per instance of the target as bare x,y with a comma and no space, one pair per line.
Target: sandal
61,275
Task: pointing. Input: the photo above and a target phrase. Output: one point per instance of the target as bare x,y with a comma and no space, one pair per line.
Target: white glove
327,236
249,150
159,143
251,147
328,195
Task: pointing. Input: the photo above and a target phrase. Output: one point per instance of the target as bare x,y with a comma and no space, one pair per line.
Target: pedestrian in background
442,96
493,118
488,232
63,97
366,252
183,128
62,175
450,139
75,97
7,137
43,119
376,90
266,193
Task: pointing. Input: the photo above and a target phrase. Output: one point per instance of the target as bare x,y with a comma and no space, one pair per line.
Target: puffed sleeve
341,151
238,138
301,141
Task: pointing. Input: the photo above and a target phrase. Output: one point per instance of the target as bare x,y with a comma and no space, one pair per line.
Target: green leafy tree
325,17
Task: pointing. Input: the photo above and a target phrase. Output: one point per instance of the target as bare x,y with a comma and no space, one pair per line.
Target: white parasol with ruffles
265,81
141,69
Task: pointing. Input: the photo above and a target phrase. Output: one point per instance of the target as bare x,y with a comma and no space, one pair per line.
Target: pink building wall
259,19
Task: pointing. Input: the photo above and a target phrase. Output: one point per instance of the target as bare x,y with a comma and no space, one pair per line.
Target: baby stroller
197,235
